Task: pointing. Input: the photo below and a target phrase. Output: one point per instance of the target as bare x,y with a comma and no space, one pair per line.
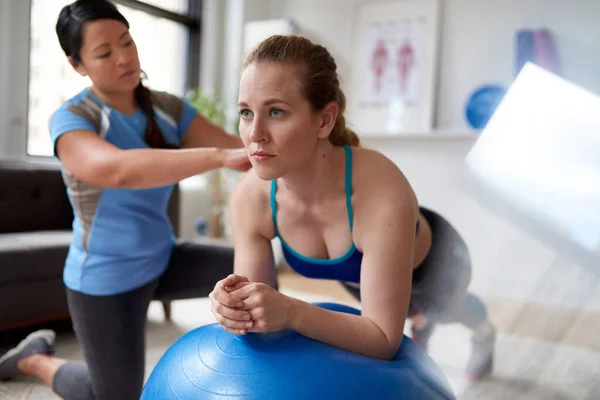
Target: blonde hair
321,83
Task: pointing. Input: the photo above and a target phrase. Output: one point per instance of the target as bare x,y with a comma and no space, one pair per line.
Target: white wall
14,75
477,41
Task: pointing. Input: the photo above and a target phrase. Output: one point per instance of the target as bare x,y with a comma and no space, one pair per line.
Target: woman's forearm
149,168
350,332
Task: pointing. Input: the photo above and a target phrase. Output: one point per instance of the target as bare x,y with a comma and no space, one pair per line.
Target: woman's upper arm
253,254
82,152
386,229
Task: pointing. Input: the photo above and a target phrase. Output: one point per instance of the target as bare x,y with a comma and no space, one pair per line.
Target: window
167,35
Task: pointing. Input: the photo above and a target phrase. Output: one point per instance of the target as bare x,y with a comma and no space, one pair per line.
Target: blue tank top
343,268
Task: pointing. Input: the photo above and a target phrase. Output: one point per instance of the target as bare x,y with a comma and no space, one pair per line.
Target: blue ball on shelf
209,363
482,104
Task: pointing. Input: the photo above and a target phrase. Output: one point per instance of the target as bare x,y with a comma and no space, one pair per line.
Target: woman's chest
319,232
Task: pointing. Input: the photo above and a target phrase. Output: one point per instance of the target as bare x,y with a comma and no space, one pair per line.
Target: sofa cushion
34,302
33,256
33,197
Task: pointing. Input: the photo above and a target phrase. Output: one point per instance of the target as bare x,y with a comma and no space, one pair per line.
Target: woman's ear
328,118
77,66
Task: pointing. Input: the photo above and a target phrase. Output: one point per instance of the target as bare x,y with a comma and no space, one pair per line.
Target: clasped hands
241,306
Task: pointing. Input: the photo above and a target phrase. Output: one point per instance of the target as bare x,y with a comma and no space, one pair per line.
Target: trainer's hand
236,159
227,309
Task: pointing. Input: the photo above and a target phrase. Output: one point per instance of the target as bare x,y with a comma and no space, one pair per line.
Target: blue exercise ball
482,103
209,363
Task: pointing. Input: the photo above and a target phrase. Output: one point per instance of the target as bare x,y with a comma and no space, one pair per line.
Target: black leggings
111,329
440,284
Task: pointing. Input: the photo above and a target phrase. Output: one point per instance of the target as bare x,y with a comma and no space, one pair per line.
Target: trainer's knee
73,382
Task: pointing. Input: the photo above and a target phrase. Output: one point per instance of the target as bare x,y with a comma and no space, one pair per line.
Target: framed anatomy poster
395,56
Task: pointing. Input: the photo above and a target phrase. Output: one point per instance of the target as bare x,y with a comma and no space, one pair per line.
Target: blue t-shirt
122,238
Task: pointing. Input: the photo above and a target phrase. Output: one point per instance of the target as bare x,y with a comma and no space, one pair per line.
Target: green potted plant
209,106
214,110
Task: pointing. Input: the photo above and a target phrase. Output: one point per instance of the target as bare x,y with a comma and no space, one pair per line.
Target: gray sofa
35,231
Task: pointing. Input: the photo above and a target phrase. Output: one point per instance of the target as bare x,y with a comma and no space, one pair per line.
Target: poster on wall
394,67
392,55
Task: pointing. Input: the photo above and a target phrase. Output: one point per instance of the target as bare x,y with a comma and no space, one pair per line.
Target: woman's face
277,124
109,56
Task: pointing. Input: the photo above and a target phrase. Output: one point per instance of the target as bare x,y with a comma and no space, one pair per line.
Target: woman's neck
322,175
124,102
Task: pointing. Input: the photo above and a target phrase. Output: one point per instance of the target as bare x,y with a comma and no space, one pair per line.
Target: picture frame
393,79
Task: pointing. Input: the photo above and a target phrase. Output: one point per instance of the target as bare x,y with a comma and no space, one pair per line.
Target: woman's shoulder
377,176
382,195
251,193
165,99
253,188
80,99
368,162
250,204
83,107
172,107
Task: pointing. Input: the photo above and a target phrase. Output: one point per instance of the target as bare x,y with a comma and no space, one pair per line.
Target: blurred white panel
540,153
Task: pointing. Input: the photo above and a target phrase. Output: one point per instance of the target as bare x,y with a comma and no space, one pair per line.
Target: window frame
192,20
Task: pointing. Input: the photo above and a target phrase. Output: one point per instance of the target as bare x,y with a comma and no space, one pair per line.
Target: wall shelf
438,135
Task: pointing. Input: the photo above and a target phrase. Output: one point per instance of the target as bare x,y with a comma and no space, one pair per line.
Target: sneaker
421,336
39,342
482,357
